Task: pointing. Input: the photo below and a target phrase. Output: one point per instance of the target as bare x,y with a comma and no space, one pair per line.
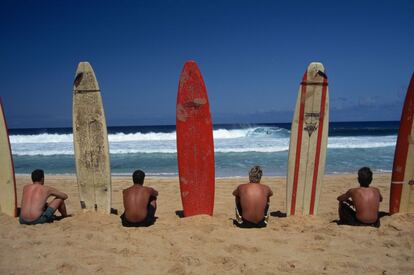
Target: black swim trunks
149,219
243,223
348,217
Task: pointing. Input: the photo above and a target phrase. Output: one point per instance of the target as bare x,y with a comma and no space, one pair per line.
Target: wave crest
253,139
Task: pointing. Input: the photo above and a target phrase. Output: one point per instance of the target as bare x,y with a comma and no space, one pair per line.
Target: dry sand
89,242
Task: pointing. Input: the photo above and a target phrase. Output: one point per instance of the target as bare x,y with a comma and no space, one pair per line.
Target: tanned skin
136,200
366,201
35,197
253,198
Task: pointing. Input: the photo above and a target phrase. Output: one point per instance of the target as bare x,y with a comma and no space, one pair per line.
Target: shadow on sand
180,213
278,214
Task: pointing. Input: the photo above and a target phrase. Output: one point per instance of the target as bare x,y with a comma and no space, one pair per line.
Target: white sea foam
361,142
41,138
257,139
152,136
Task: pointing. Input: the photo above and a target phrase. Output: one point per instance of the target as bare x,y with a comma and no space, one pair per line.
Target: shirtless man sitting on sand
35,209
365,199
252,201
140,203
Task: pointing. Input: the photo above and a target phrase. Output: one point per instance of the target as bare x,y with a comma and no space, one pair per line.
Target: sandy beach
90,242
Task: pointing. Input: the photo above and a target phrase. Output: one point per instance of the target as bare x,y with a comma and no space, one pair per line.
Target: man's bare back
366,201
253,198
136,199
35,197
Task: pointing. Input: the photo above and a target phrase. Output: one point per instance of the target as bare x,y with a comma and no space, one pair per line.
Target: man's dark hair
138,177
364,176
38,175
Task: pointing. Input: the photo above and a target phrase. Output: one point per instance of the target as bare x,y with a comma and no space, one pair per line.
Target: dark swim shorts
243,223
149,219
348,217
46,217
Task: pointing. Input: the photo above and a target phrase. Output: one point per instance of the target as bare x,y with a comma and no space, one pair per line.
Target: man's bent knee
56,203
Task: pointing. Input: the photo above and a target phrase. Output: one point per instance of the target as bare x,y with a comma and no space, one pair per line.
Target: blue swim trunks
46,217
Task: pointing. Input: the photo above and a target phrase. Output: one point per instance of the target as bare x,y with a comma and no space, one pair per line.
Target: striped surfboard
402,180
308,142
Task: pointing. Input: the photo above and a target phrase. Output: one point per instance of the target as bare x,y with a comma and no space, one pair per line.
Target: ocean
351,145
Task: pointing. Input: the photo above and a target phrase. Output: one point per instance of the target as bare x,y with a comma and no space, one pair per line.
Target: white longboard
90,140
8,199
308,142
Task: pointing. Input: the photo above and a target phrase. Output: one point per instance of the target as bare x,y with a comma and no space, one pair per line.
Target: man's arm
270,192
380,196
345,196
236,192
154,192
54,192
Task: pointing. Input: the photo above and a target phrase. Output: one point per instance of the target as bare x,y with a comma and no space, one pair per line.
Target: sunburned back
366,201
253,200
33,201
136,200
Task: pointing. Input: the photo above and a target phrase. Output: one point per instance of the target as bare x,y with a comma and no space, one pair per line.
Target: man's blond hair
255,174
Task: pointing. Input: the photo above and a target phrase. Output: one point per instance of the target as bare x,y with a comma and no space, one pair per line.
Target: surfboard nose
316,71
85,79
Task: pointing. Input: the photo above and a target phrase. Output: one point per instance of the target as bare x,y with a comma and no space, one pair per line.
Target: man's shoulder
369,188
27,185
32,186
148,188
266,187
244,185
47,187
375,189
365,190
128,189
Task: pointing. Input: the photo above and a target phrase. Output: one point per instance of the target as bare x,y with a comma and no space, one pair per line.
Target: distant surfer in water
35,209
364,199
252,201
140,203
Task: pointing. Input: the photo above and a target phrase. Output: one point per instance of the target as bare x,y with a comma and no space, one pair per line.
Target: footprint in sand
190,261
228,263
279,241
319,238
207,228
241,248
198,238
287,267
390,244
66,268
177,268
126,252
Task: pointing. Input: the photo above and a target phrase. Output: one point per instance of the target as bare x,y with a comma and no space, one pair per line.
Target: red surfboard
195,147
402,180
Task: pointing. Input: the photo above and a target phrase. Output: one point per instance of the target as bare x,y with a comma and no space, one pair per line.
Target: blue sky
252,55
